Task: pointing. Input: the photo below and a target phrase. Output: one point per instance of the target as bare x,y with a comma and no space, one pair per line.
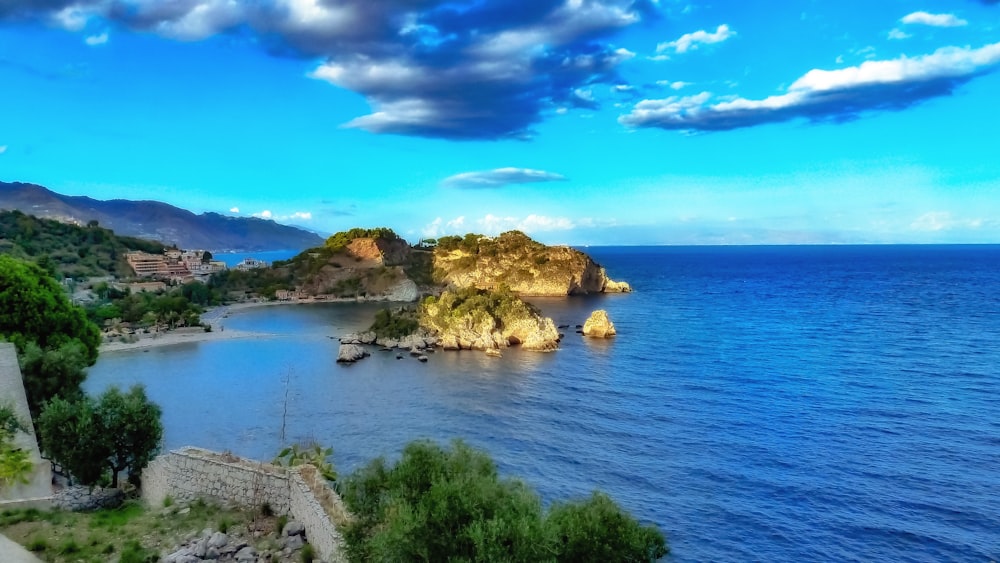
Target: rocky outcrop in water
471,319
598,325
350,353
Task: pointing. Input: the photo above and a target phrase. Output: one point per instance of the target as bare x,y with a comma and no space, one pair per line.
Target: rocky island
472,288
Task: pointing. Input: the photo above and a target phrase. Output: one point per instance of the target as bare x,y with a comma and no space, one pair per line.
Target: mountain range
159,221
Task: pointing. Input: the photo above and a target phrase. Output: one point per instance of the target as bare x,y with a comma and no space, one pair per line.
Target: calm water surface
759,403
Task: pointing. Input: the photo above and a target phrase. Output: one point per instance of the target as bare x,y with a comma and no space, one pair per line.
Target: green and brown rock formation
526,266
475,319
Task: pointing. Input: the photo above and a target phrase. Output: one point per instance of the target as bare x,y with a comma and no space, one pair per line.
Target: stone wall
37,493
191,473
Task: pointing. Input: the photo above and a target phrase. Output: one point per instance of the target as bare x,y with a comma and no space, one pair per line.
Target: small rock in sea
350,353
579,326
493,353
422,358
562,326
385,349
399,356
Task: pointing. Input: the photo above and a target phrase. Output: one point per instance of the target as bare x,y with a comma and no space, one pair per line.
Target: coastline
212,317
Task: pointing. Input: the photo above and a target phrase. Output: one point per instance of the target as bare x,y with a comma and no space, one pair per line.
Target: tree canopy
438,504
93,438
34,308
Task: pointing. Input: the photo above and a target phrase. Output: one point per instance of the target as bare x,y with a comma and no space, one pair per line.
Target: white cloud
899,34
234,209
493,225
94,40
691,41
438,227
301,216
825,94
935,221
266,214
500,177
71,18
935,20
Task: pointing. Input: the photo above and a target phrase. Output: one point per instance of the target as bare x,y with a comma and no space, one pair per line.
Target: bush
439,504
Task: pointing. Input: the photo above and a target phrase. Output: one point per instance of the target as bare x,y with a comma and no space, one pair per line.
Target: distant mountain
159,221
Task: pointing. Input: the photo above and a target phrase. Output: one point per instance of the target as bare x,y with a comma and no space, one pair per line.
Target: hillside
526,266
68,250
158,221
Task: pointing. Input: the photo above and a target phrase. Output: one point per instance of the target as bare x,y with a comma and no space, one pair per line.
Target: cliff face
526,266
365,269
468,319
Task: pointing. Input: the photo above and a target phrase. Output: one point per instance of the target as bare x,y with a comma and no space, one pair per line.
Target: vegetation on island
450,504
66,250
95,440
395,323
55,340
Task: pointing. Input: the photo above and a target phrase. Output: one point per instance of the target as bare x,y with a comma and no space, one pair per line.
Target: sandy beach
213,317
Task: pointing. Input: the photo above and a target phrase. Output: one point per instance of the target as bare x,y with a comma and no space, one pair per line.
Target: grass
135,533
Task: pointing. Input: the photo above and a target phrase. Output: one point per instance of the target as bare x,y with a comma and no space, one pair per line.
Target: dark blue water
759,403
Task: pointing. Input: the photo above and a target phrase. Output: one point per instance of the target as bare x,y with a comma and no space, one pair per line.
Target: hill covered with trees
68,250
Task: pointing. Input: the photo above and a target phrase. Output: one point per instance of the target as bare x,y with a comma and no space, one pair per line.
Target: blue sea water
831,403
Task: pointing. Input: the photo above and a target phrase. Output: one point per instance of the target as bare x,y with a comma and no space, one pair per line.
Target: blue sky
577,121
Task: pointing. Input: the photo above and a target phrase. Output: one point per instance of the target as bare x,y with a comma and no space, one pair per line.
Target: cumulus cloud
267,214
94,40
494,225
935,221
234,209
438,227
499,177
826,95
691,41
935,20
899,34
431,68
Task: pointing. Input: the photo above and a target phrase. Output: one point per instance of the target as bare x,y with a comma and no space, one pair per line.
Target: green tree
33,308
438,504
118,432
54,338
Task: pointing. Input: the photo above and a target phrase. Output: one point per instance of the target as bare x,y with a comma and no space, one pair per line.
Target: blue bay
829,403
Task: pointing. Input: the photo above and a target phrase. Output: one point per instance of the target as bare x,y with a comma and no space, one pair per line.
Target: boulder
599,325
218,540
293,528
350,353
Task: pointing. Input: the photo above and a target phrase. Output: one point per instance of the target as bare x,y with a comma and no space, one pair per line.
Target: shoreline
213,317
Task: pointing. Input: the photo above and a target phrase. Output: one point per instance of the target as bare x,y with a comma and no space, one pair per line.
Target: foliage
131,532
54,372
313,454
117,432
54,338
180,306
338,241
67,250
395,325
461,305
33,308
438,504
230,284
15,463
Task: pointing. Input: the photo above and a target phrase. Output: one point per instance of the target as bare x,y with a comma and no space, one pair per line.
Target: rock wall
37,493
191,473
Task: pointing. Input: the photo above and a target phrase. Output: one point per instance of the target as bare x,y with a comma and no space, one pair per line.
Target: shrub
438,504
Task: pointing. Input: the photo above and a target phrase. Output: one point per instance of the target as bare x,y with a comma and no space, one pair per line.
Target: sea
760,403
